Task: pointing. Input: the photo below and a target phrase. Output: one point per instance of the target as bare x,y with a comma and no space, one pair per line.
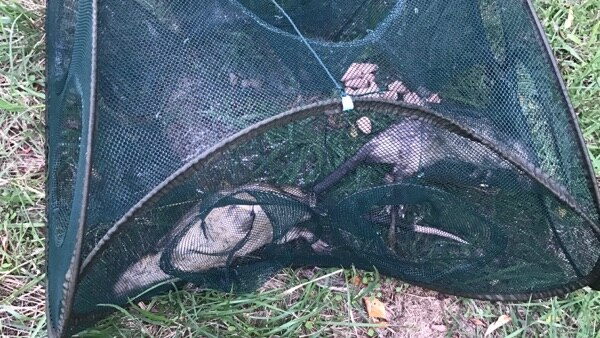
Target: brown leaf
372,88
434,98
502,320
390,95
398,87
413,98
375,308
364,125
359,70
357,281
369,77
357,83
477,322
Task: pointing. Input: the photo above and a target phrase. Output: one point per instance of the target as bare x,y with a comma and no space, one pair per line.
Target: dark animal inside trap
206,143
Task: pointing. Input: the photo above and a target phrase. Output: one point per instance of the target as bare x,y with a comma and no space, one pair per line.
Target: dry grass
21,169
326,306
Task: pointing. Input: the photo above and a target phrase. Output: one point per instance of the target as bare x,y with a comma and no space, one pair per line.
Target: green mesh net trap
214,142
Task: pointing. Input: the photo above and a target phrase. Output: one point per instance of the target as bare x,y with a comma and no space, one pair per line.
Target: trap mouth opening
240,160
315,118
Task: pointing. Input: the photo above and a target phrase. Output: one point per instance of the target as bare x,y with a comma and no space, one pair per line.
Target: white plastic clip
347,103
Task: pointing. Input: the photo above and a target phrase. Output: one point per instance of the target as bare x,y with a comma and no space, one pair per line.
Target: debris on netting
359,80
360,71
216,142
398,87
413,98
434,98
364,125
390,95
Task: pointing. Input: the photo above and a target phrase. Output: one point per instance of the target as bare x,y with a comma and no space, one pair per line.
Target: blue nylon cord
337,85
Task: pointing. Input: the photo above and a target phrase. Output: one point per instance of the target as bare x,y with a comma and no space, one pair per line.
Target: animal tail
427,230
339,173
435,231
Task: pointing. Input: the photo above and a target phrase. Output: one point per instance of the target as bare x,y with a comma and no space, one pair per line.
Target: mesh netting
205,143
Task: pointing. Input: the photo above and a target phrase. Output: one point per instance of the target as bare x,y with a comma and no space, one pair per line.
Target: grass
578,52
295,302
21,169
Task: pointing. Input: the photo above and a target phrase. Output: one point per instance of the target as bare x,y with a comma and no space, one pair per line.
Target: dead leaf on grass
502,320
570,19
477,322
375,308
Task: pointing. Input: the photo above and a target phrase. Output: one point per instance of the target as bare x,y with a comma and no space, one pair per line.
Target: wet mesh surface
382,186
